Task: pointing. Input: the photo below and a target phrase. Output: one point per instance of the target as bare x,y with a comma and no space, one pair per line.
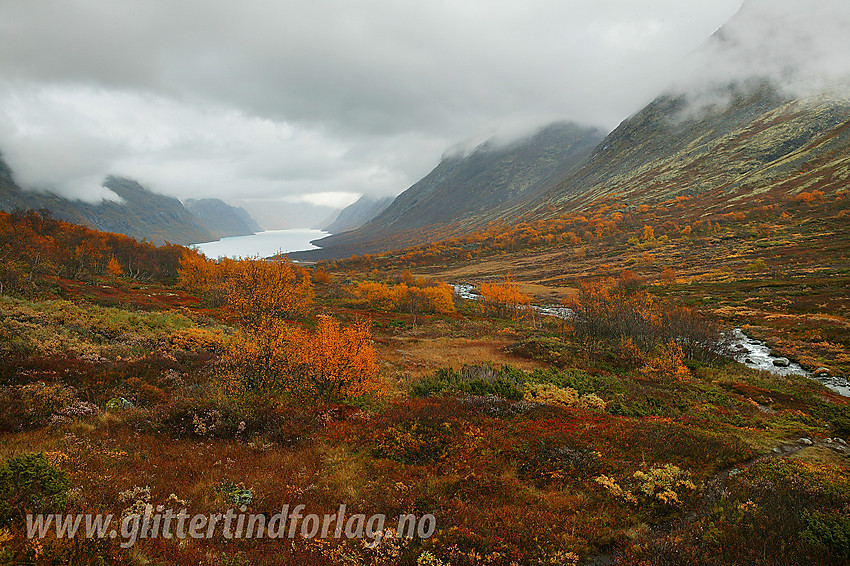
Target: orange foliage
412,296
504,299
321,277
34,248
259,291
114,268
256,291
335,362
668,364
809,197
331,363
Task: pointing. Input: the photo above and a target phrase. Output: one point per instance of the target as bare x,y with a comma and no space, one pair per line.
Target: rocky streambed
748,351
758,355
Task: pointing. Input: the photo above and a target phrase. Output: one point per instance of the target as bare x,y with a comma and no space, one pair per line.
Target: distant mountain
465,189
357,214
285,215
221,218
141,213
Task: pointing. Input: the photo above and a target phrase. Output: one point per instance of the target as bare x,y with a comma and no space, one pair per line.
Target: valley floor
528,441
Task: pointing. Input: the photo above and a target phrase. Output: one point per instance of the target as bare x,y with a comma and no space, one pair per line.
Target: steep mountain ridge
467,188
357,214
222,219
142,214
752,145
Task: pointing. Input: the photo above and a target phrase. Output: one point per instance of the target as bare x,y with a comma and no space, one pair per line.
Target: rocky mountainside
763,105
750,115
222,219
357,214
469,188
759,141
142,214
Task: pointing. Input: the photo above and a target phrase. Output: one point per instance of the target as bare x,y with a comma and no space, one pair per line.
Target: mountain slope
758,142
357,214
143,214
222,219
468,188
763,106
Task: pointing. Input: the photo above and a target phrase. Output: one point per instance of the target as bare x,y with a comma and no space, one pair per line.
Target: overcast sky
317,100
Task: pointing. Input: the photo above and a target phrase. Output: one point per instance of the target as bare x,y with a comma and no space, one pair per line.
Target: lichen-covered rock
119,404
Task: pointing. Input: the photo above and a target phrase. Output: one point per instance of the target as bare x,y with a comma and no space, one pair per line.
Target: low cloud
269,100
799,47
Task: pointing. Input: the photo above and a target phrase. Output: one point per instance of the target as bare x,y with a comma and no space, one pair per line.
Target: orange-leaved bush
504,299
334,362
330,363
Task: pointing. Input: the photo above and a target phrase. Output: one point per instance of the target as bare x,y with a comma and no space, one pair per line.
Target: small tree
114,268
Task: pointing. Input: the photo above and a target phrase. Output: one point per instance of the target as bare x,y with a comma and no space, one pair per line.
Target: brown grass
421,356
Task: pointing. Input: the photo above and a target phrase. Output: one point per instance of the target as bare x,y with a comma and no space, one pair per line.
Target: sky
321,101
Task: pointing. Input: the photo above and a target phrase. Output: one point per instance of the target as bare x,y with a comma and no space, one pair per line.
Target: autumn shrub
329,363
634,324
413,296
668,363
259,291
334,362
563,397
775,512
667,485
197,339
582,382
415,441
548,462
30,484
32,405
504,300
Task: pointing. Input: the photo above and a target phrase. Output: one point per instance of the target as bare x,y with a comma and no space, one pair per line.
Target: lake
263,244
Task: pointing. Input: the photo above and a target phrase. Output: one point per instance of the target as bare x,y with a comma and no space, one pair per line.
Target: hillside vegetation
622,432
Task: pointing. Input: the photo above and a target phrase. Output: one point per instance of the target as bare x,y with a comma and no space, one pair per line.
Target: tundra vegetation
132,374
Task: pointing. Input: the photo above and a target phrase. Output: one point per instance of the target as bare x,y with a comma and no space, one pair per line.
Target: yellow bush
551,394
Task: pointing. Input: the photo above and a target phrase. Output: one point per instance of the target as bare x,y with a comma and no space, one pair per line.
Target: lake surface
263,244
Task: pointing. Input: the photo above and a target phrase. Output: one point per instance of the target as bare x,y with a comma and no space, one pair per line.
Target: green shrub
30,484
828,533
506,382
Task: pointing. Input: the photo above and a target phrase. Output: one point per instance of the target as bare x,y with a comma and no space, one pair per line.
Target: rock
805,441
822,372
782,362
840,441
749,361
119,404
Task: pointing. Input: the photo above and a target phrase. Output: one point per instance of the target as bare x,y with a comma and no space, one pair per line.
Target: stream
752,353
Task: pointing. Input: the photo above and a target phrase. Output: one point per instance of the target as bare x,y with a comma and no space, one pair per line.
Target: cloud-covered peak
273,100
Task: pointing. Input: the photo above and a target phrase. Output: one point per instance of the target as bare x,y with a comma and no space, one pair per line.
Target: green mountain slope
760,142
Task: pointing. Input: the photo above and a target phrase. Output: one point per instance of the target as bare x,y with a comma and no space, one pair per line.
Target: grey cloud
271,99
801,47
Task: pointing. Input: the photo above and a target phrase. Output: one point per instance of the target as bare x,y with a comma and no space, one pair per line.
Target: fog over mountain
267,101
